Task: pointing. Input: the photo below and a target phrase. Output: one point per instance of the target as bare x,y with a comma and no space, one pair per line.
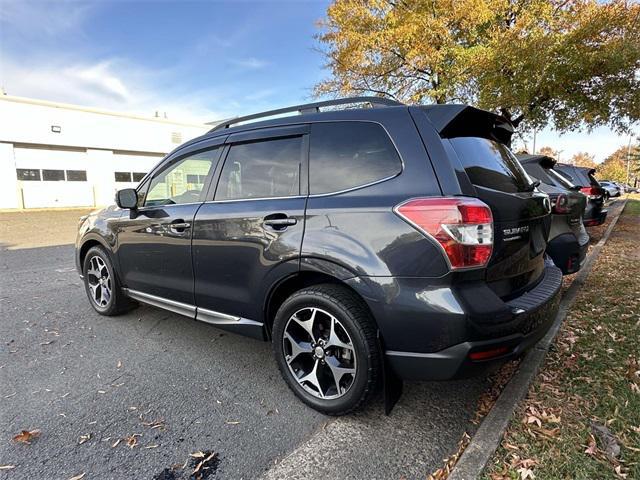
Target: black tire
117,303
355,319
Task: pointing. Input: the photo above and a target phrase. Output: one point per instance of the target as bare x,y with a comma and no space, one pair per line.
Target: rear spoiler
465,121
544,160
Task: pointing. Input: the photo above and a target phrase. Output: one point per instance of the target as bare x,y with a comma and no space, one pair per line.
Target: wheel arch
89,242
307,278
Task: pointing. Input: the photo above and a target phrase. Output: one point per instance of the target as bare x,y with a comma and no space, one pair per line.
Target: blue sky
199,60
195,60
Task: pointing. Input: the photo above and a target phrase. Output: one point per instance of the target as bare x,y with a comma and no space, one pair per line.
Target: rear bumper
533,314
567,253
596,218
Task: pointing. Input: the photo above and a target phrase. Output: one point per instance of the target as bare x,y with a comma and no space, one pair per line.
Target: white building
61,155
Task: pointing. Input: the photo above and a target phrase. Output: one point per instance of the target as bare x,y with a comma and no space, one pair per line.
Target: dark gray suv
369,245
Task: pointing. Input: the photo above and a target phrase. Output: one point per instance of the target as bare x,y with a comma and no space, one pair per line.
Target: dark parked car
568,239
367,244
584,177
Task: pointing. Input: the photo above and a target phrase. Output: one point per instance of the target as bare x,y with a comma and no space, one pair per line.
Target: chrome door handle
280,223
179,227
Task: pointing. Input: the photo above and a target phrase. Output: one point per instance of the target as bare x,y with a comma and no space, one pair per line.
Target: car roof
447,119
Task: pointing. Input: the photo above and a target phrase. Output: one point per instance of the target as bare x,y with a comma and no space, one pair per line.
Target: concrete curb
487,438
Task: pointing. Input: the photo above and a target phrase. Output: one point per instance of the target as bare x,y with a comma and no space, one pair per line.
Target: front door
250,234
154,240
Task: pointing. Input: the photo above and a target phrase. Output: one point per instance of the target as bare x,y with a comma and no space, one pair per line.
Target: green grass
590,375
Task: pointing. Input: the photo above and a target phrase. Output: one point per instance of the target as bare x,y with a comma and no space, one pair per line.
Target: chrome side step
222,320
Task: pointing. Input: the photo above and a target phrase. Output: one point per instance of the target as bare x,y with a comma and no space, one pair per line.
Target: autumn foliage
571,62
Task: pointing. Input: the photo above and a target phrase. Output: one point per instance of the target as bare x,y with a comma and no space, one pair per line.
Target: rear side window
262,169
491,164
345,155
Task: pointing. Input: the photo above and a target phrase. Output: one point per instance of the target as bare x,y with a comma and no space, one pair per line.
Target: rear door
521,213
249,234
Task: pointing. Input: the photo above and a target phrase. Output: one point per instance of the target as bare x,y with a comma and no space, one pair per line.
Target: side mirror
127,198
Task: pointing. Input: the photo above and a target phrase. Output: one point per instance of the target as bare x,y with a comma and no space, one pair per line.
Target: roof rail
308,108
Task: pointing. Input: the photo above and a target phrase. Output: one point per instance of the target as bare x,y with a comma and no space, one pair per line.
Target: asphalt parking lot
131,396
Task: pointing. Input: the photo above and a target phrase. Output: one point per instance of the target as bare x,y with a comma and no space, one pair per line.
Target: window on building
262,169
76,175
345,155
183,181
123,176
53,175
137,176
28,174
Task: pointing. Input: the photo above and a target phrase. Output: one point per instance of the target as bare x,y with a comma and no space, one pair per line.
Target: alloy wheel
319,353
99,281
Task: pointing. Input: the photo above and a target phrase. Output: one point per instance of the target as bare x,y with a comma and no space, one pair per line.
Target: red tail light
487,354
592,193
462,226
560,204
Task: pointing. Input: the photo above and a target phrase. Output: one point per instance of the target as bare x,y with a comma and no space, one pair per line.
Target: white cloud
43,18
112,84
250,63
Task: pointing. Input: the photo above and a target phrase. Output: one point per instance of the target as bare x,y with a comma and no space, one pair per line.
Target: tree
570,62
548,151
614,166
583,159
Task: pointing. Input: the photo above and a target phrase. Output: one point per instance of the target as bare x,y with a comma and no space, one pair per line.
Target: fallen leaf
151,446
78,477
197,455
116,443
526,473
26,436
132,441
84,438
119,364
232,423
591,449
619,472
7,467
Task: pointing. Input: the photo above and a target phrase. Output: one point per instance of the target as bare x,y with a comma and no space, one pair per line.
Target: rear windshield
559,179
491,164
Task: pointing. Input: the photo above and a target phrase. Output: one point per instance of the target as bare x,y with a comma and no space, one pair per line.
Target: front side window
28,174
491,164
183,181
262,169
345,155
53,175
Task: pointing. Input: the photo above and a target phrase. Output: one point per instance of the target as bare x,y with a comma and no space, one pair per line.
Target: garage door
53,177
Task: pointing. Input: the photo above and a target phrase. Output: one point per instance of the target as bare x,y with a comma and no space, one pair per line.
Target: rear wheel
102,285
326,348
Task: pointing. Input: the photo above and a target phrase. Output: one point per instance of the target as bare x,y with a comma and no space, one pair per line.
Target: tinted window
53,175
262,169
344,155
491,164
27,174
183,181
76,175
559,179
137,176
122,176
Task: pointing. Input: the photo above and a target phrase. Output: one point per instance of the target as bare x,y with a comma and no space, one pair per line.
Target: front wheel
102,285
326,348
